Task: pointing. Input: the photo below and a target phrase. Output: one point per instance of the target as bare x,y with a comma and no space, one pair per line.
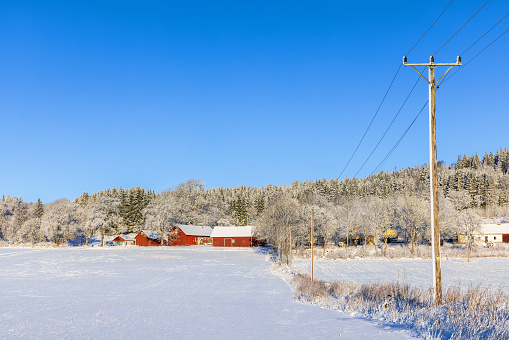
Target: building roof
195,230
246,231
153,234
500,228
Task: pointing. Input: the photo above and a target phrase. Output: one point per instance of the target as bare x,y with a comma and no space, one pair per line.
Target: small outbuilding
496,233
187,235
233,236
124,240
149,238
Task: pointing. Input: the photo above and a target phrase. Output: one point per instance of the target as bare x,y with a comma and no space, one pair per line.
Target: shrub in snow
479,313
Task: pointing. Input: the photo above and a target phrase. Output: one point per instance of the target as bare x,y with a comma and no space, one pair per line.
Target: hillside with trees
356,210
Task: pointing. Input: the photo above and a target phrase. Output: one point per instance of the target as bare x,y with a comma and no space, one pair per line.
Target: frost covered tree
161,214
276,225
412,217
31,230
377,218
471,223
104,216
448,217
59,221
348,216
38,208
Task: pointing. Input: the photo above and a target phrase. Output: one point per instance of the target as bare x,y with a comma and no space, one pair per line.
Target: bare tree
472,224
348,215
277,223
412,216
326,223
377,217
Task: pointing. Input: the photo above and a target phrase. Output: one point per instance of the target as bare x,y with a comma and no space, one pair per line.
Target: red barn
233,236
186,235
149,238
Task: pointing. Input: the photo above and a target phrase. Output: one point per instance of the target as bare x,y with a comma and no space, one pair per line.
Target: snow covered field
417,272
170,292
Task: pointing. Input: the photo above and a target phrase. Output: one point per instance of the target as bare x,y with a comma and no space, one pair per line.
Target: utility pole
312,241
435,230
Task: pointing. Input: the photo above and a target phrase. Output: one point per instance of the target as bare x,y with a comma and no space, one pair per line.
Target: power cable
387,92
429,28
396,116
372,119
379,166
463,66
461,27
482,36
447,78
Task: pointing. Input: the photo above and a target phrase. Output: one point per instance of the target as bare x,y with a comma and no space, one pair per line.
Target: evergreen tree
39,210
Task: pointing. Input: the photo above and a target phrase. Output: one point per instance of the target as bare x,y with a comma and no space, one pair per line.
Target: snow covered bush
478,313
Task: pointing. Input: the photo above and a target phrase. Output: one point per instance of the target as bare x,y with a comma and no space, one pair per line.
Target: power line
464,65
381,138
411,124
387,92
365,132
429,28
396,145
379,166
461,27
482,36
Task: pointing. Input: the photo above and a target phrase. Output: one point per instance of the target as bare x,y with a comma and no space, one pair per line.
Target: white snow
500,228
153,234
417,272
246,231
195,230
161,292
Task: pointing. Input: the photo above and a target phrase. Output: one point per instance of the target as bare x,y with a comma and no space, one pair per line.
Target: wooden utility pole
435,230
312,241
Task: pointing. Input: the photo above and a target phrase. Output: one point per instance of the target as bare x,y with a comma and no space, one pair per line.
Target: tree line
356,210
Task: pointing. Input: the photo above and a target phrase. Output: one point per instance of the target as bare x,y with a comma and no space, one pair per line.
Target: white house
497,232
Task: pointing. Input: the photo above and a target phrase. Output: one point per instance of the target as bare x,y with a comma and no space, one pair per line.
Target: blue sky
102,94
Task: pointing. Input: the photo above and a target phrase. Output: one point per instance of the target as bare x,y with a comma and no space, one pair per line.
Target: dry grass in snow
478,313
398,251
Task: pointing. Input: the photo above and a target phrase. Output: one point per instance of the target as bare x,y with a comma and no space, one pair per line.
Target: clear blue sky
102,94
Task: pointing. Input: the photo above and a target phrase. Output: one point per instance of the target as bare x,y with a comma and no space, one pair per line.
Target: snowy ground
169,292
417,272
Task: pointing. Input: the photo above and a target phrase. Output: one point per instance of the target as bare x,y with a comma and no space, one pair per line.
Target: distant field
418,272
168,292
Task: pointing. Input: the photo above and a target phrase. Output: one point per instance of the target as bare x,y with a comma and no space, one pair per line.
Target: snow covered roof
501,228
246,231
195,230
129,237
153,234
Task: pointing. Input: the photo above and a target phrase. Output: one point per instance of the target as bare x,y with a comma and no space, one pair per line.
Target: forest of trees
348,210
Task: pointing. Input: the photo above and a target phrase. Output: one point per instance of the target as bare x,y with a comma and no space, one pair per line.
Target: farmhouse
495,233
149,238
186,235
124,240
233,236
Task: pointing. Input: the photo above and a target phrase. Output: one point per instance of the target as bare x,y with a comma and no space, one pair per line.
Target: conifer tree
39,210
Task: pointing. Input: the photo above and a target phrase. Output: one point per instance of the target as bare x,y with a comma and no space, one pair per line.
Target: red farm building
149,238
233,237
186,235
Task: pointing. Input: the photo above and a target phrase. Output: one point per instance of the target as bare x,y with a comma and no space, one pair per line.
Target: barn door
227,242
505,238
